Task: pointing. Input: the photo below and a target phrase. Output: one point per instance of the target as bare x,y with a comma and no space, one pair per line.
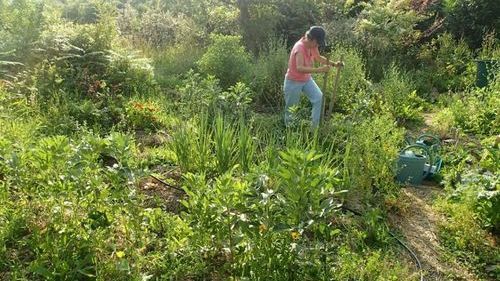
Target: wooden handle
325,83
335,88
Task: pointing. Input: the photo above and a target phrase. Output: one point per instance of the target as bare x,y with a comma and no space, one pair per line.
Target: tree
472,19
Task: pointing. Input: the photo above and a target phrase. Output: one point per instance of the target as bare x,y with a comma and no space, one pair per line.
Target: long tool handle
323,100
335,88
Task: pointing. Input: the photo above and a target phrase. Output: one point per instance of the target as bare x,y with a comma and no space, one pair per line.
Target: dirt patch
163,191
428,119
145,139
418,224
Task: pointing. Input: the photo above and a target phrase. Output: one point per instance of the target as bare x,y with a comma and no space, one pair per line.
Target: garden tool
335,88
325,83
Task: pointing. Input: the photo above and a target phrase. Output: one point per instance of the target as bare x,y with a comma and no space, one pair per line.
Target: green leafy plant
477,111
305,186
226,59
142,115
267,74
398,96
225,145
447,65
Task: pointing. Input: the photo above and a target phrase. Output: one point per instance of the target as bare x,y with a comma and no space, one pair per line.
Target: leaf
123,265
85,272
10,63
335,232
281,227
41,270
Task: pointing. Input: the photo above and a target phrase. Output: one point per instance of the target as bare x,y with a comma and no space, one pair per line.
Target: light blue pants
293,91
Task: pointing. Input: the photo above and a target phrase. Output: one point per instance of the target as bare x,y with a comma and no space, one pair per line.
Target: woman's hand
324,68
338,64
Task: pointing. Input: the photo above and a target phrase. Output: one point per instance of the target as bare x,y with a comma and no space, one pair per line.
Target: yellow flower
295,235
262,228
120,254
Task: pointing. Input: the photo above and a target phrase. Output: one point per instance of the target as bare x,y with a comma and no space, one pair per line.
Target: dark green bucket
486,71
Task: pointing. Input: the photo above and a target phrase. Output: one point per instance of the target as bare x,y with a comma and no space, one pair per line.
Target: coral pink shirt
309,56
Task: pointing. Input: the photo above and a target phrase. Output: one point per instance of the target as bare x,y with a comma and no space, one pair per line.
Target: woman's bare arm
299,62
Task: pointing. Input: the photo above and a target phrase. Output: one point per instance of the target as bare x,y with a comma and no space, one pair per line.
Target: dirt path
418,224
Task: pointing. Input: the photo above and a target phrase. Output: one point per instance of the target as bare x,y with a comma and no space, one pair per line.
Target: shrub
129,74
268,73
490,47
22,23
79,58
79,71
443,122
446,65
225,59
478,112
223,20
352,82
159,28
142,115
198,94
472,208
398,96
370,155
385,29
171,63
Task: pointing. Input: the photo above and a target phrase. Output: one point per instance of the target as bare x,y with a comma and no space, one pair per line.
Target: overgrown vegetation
144,140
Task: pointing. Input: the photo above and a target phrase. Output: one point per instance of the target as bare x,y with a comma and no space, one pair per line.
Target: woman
298,77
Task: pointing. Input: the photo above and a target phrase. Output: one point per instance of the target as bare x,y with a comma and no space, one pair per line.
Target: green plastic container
411,166
486,70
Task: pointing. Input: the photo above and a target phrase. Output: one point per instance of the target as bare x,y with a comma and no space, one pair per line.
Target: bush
173,62
142,115
490,48
398,96
196,92
223,20
446,65
80,203
198,95
80,58
384,30
352,83
158,28
21,26
370,155
443,122
472,209
79,71
226,59
478,112
268,74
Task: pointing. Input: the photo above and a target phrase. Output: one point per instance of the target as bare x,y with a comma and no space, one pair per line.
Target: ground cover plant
144,140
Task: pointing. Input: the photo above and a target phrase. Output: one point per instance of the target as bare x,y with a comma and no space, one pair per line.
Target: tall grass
246,145
182,146
203,143
225,145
